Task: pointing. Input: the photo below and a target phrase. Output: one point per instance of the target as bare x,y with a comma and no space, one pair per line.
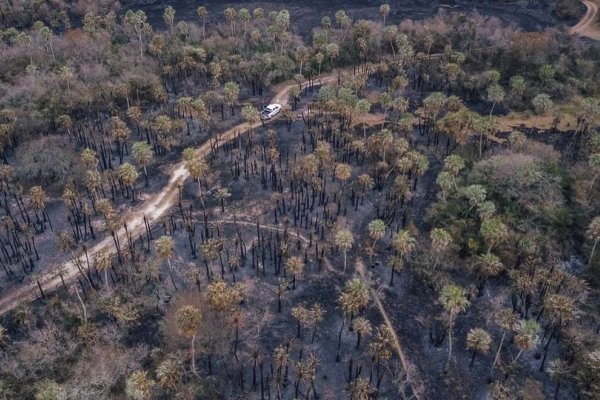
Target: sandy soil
588,26
509,122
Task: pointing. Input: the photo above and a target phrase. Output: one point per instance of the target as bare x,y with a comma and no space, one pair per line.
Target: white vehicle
270,111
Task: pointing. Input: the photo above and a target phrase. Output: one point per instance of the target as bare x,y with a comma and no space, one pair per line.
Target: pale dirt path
153,209
163,200
587,26
411,373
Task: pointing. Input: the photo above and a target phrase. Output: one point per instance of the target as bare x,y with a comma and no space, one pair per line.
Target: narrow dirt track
162,201
411,374
587,26
153,209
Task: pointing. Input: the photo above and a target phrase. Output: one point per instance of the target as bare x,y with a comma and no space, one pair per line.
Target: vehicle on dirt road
270,111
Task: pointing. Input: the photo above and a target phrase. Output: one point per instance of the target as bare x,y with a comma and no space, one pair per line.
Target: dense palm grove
421,221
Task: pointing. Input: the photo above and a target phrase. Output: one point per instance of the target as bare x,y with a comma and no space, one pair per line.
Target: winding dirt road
587,26
152,209
158,204
161,202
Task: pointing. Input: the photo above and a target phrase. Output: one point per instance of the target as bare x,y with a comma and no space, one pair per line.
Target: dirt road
588,26
152,209
409,370
162,201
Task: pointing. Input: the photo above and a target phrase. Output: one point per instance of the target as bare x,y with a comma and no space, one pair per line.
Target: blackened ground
307,14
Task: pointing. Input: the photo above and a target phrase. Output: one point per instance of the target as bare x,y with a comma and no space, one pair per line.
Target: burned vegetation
415,216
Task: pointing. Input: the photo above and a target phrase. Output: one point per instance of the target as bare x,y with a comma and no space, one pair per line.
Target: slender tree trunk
592,253
497,356
193,355
449,347
82,305
337,357
472,358
518,355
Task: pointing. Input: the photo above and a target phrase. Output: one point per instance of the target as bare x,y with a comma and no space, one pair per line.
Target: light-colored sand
588,25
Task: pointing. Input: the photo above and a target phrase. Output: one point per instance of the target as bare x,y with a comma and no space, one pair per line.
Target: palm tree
541,104
319,58
344,239
210,250
517,140
446,182
440,243
295,266
302,315
231,91
489,265
169,17
453,299
507,320
47,35
362,108
404,244
527,336
4,337
343,172
251,115
142,154
476,194
197,168
139,386
169,373
88,157
294,94
363,328
282,288
559,370
281,359
26,40
103,262
128,176
454,163
164,250
478,340
138,21
244,16
230,15
517,86
222,194
361,389
38,198
203,13
376,230
66,73
384,11
493,231
302,55
594,164
317,313
593,233
121,133
64,121
354,298
188,319
495,94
